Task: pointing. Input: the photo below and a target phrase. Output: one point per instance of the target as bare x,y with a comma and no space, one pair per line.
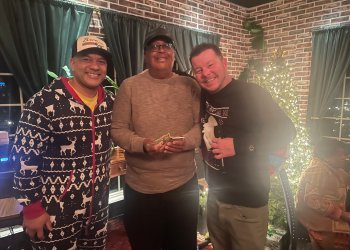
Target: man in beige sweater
161,190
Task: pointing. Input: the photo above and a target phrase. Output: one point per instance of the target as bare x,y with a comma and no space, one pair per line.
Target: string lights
276,77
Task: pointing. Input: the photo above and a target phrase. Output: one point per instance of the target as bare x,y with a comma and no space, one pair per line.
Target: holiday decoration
276,78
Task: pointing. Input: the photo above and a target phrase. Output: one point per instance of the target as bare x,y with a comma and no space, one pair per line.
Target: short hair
205,46
327,147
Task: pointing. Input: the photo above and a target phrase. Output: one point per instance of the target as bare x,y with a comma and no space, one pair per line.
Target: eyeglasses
158,47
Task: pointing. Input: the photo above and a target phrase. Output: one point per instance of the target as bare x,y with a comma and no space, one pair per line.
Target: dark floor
116,237
118,240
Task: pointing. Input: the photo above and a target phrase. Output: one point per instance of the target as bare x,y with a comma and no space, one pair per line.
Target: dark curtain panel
330,61
186,40
125,35
36,36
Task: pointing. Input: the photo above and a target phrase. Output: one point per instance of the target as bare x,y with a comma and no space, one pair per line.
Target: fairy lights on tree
276,78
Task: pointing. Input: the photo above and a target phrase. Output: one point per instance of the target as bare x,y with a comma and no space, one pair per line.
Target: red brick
330,16
118,7
143,7
306,6
98,3
173,14
197,10
166,7
173,3
159,11
345,13
127,3
166,19
152,15
340,19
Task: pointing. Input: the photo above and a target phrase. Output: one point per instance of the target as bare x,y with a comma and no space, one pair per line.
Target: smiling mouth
93,75
208,80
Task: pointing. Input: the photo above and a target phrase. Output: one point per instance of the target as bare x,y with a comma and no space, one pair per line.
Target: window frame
341,118
20,104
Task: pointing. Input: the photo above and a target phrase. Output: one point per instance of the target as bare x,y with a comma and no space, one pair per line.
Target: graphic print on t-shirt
212,122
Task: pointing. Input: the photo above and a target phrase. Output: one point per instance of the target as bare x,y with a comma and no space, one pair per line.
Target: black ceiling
250,3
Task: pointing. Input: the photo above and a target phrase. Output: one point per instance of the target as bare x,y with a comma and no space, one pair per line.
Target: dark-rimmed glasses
158,47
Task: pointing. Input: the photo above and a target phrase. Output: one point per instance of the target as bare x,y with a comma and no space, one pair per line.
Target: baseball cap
158,33
90,44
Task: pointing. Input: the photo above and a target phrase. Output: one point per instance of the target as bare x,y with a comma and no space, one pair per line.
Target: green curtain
186,40
36,36
125,35
330,61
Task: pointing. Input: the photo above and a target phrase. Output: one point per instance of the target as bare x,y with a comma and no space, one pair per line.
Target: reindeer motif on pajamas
86,200
70,147
50,109
24,167
74,106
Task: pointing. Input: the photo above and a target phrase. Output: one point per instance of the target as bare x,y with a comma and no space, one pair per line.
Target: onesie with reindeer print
61,156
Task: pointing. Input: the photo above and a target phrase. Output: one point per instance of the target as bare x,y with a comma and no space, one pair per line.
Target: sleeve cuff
137,145
244,145
33,210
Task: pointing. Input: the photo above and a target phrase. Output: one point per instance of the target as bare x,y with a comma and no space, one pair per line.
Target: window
11,100
11,106
336,122
118,169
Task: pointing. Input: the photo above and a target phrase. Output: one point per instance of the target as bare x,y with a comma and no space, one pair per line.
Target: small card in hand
175,138
167,138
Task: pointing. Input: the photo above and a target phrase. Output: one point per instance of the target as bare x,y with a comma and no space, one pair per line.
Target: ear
224,62
72,63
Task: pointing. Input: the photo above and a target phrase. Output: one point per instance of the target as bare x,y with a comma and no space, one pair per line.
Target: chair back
297,232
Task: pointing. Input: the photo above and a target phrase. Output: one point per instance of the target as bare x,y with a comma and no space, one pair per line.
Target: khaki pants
233,227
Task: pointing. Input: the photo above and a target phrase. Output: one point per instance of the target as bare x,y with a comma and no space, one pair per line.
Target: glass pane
335,109
9,92
3,65
347,87
117,183
9,117
345,131
346,109
330,127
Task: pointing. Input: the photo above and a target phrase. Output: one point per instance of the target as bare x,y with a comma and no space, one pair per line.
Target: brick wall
216,16
288,24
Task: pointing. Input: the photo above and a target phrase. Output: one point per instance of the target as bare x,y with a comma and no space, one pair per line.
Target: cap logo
90,42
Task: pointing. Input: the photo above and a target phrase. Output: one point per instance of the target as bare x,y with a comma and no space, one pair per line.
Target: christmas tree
276,78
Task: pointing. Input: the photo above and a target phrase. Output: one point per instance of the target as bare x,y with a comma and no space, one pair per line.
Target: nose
94,64
161,49
205,72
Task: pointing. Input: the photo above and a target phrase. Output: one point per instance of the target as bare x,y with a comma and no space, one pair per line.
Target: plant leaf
66,69
113,83
53,75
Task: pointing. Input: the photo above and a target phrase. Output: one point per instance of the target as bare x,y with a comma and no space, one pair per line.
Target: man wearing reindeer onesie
61,155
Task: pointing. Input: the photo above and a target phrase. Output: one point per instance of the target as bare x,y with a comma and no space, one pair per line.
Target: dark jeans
166,221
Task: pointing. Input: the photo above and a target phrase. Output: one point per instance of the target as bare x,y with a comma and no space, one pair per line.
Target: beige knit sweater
149,108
